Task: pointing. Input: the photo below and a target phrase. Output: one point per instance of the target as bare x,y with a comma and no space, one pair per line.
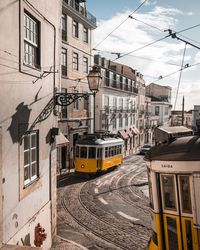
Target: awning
61,140
135,131
123,134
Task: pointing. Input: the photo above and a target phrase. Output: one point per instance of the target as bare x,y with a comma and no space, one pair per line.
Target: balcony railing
118,85
81,10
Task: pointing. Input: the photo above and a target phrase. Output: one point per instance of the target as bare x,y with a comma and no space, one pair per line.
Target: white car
144,149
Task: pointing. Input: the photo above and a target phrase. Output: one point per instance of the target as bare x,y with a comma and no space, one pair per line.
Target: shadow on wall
19,123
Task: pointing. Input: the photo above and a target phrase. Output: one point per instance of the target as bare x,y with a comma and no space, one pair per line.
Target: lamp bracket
65,99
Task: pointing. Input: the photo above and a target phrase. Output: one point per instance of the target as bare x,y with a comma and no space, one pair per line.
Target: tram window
112,151
117,150
77,151
106,152
150,189
185,194
169,192
188,228
99,153
92,153
83,152
172,233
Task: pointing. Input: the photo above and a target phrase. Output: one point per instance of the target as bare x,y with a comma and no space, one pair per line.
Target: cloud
134,34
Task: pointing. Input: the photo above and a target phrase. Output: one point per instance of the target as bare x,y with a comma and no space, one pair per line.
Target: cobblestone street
106,212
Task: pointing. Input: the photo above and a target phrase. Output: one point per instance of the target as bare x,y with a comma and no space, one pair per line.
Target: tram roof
99,141
181,149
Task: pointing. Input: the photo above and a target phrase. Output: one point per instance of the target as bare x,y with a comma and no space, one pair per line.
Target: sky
148,24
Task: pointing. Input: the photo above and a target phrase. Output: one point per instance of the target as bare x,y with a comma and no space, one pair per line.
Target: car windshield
146,146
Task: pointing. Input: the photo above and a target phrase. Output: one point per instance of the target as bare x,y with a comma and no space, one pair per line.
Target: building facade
118,103
75,119
160,103
179,118
196,118
29,54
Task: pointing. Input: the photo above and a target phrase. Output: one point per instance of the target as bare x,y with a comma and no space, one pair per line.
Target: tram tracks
99,227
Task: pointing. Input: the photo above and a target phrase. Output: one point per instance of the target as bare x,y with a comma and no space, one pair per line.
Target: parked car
144,149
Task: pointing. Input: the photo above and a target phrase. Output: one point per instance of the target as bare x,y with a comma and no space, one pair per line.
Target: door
179,233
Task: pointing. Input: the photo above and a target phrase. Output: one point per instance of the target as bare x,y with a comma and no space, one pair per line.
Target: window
64,62
85,35
75,28
31,163
92,153
83,152
75,61
126,120
120,121
64,27
121,103
114,102
168,185
77,151
85,64
150,189
31,41
64,108
99,153
106,152
166,110
157,109
75,103
106,101
185,194
114,122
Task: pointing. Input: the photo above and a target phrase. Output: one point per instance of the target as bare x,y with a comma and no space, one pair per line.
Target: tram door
177,214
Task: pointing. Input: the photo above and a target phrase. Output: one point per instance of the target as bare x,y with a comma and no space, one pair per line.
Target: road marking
127,216
102,200
96,190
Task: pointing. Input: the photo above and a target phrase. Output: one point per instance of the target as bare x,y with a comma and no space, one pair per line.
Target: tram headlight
82,166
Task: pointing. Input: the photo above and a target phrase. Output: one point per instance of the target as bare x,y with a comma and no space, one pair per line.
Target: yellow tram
98,152
174,187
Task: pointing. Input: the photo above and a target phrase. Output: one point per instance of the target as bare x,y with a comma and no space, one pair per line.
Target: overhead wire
121,23
179,80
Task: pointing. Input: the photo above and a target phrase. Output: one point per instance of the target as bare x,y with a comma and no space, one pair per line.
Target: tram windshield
168,187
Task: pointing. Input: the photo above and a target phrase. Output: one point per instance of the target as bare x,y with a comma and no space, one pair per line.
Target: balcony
106,82
80,10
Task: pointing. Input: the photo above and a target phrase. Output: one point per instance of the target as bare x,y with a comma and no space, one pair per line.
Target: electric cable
179,80
121,23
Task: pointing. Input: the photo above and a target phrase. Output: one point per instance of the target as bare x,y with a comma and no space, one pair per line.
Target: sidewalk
60,243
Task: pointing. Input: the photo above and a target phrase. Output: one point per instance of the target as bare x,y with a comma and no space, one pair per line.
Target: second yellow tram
174,185
97,153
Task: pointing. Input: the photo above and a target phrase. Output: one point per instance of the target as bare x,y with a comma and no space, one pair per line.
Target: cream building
75,119
120,103
29,49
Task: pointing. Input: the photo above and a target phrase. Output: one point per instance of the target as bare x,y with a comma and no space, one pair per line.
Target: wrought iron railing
80,9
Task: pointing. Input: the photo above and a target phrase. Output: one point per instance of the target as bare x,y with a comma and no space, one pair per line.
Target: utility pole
183,102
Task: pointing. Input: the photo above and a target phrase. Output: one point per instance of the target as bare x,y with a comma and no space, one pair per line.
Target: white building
160,102
196,118
118,105
29,49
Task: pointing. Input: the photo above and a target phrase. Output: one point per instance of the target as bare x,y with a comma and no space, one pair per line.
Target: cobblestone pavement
108,212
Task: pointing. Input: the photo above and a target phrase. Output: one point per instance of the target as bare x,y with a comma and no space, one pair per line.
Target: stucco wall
23,98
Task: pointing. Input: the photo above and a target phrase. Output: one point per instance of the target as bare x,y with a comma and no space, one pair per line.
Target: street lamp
66,99
94,78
